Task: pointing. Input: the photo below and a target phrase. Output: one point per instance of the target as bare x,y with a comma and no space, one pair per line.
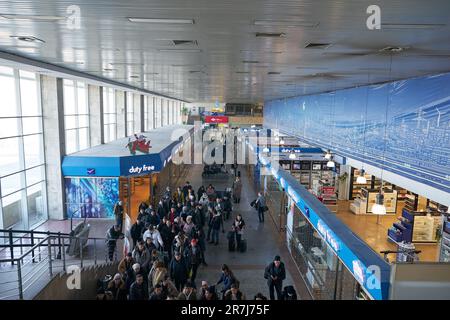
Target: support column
95,99
54,144
121,105
138,113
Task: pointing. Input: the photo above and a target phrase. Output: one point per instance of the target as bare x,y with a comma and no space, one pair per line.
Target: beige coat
237,189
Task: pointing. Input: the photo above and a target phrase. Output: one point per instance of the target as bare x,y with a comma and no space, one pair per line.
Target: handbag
266,208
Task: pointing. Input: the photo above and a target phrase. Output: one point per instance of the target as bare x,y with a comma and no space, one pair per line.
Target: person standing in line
138,290
137,229
275,273
118,214
260,206
217,223
237,189
178,271
193,258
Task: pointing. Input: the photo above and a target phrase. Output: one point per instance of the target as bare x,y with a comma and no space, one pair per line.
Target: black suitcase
243,245
231,241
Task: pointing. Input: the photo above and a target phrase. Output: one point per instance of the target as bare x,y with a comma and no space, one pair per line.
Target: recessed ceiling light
162,21
411,25
286,23
126,64
28,39
32,17
180,50
270,35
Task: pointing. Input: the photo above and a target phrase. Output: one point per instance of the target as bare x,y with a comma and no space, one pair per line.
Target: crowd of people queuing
169,244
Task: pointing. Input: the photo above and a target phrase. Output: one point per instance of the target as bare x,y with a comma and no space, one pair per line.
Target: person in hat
275,273
193,256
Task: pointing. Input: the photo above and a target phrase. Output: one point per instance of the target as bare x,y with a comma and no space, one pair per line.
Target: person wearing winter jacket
126,264
153,219
154,234
193,256
216,224
178,271
168,287
157,274
199,235
200,192
227,278
161,210
136,231
142,256
117,288
188,226
188,293
234,293
138,291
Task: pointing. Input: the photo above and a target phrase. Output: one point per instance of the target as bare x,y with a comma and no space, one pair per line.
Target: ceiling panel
225,34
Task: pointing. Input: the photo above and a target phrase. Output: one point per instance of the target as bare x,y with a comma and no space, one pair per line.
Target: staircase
31,260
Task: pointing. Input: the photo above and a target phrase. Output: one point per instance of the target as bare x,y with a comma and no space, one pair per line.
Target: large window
157,112
109,115
76,116
130,114
150,113
22,167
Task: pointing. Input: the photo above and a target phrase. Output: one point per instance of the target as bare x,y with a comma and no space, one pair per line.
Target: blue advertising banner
406,121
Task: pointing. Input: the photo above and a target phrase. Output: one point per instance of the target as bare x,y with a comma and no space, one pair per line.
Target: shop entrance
134,191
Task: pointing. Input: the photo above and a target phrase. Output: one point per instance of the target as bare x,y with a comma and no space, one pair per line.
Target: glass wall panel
22,161
76,116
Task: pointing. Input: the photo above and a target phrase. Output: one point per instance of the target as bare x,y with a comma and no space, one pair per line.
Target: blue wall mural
91,197
405,127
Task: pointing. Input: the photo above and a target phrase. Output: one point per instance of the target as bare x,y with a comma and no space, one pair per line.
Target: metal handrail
52,241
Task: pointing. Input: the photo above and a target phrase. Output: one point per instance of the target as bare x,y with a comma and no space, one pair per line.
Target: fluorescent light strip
162,21
180,50
411,26
31,17
286,23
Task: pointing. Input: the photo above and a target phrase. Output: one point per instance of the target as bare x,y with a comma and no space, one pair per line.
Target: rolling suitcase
231,241
243,245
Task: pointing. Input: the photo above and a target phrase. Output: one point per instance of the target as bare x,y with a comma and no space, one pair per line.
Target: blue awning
114,159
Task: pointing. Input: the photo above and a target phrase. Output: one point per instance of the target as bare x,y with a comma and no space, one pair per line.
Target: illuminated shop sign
358,271
328,235
141,169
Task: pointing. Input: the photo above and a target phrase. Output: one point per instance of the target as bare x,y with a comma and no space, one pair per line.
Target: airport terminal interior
224,150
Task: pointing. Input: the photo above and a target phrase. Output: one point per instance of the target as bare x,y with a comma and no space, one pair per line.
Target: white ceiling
225,32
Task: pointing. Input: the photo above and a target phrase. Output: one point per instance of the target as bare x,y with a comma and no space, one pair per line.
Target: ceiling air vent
273,73
322,46
270,35
185,42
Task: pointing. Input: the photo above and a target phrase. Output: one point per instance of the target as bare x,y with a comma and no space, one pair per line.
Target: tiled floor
375,235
